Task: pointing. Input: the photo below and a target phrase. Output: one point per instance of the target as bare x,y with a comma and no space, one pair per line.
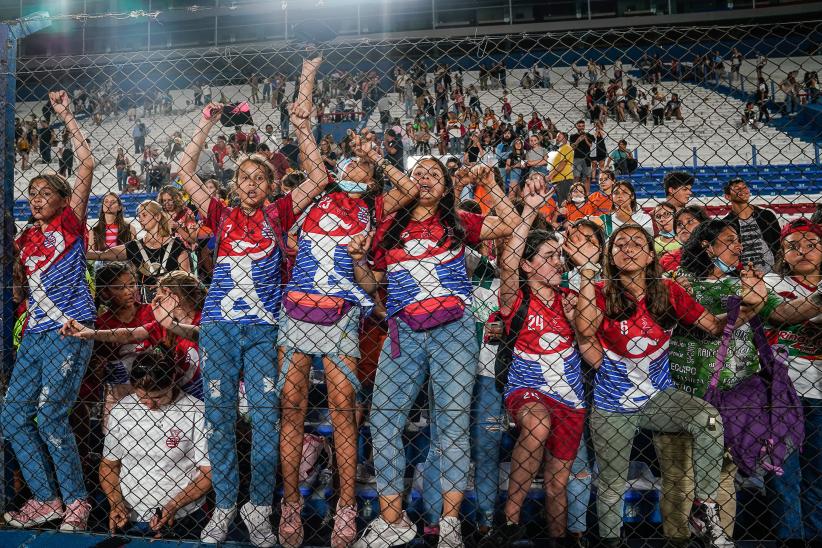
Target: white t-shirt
159,452
639,217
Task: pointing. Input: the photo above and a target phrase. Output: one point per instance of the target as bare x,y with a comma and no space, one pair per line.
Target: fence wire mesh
560,289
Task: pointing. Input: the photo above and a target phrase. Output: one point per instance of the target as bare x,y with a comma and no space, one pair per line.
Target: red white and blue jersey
246,284
54,258
425,266
323,265
545,357
635,364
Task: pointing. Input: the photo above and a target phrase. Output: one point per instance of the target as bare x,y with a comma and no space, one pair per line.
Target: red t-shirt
120,357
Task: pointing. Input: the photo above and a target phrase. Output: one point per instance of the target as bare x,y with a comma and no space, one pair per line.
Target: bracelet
361,263
384,164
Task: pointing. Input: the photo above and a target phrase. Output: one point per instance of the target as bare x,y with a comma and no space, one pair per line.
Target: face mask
665,234
577,199
352,187
723,266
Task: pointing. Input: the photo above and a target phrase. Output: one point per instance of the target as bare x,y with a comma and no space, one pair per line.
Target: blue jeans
44,385
227,349
449,354
797,494
513,178
487,424
122,180
579,489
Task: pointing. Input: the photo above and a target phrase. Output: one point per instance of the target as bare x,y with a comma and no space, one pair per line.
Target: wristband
596,268
362,262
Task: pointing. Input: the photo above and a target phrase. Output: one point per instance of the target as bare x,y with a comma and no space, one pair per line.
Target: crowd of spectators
262,252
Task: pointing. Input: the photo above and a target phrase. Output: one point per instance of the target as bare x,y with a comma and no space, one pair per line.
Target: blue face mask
352,187
666,234
723,266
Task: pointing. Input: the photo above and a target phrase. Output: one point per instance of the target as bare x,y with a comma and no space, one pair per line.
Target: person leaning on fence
429,330
709,270
322,306
798,274
52,252
239,323
632,313
155,470
544,390
173,322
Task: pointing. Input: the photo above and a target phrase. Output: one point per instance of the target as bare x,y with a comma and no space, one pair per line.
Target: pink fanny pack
316,309
426,315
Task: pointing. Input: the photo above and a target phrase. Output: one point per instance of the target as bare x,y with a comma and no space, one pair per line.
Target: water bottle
631,513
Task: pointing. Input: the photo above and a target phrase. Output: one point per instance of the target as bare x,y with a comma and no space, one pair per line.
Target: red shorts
566,422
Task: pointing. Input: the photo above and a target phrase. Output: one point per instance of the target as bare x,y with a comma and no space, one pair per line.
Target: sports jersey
425,266
803,341
246,283
54,259
323,265
545,357
120,357
635,364
484,303
186,359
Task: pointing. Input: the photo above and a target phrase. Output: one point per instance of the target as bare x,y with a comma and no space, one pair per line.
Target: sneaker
257,522
381,534
291,524
216,530
704,523
345,526
450,533
34,513
76,516
502,536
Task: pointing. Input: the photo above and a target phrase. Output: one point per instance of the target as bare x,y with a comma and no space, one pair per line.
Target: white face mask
578,199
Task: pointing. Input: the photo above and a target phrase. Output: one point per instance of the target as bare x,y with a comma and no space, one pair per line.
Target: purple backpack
762,415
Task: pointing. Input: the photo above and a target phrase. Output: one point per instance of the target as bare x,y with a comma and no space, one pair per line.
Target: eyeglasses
663,215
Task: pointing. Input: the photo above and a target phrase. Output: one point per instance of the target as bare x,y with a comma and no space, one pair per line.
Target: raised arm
403,189
188,163
312,162
584,252
533,198
502,223
85,170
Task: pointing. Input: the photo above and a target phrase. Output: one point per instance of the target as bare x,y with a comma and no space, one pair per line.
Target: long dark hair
620,305
98,231
696,260
446,210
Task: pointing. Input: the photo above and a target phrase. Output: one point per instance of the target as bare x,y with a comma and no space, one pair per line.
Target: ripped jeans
449,354
226,350
44,384
487,424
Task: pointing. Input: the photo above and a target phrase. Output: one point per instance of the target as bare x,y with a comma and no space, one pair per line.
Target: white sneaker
257,521
216,530
450,533
381,534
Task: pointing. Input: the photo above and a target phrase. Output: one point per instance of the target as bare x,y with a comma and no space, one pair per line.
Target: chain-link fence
558,289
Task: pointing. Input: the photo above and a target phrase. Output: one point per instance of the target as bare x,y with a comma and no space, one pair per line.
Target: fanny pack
425,315
316,309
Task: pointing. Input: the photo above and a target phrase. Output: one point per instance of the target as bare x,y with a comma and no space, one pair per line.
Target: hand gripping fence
259,292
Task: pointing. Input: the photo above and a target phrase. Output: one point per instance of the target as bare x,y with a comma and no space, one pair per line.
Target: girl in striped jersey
49,369
330,289
544,391
239,321
632,314
421,250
